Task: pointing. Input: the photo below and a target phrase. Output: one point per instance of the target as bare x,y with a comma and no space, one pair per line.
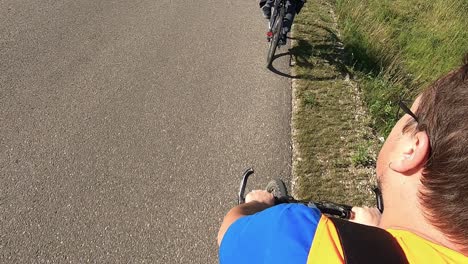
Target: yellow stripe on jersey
326,246
420,250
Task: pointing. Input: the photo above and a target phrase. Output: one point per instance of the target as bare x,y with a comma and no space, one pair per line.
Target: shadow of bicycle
301,53
272,68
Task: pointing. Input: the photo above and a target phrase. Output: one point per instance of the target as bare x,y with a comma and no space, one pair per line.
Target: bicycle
275,28
281,196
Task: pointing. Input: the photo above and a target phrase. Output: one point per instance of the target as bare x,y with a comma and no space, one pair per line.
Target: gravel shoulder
334,147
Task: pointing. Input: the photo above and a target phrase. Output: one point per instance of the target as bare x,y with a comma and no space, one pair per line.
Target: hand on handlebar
260,196
366,216
255,202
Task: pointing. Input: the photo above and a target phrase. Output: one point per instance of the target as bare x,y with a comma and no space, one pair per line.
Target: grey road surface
125,126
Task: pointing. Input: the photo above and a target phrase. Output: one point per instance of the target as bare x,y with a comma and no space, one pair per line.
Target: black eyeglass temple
407,110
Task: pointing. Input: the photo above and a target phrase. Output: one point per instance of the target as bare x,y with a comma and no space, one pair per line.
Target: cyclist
422,170
293,7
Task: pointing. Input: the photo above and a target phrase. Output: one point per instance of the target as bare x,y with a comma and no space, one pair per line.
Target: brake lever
245,177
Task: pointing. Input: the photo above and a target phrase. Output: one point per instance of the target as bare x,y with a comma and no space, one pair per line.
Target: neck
403,211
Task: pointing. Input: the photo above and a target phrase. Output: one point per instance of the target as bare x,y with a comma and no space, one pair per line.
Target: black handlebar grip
245,177
379,199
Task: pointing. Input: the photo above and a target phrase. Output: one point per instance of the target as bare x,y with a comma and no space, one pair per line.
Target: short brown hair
443,115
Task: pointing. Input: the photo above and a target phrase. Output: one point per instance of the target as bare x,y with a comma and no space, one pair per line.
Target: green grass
334,144
398,47
393,48
362,156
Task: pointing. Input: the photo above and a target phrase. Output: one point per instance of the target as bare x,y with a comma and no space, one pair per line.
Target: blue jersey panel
280,234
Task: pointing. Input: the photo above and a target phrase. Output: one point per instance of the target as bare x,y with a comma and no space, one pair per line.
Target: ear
412,152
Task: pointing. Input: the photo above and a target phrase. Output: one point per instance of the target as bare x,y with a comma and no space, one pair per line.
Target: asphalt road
125,126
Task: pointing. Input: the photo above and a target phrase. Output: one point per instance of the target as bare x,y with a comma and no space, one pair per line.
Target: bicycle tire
276,29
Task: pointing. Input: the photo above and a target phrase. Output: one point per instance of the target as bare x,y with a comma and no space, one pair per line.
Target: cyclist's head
443,115
434,143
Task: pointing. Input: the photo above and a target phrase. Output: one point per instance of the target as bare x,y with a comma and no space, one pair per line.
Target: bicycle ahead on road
275,28
278,189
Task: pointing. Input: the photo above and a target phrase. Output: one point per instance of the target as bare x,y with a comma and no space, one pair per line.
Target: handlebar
245,177
329,208
338,210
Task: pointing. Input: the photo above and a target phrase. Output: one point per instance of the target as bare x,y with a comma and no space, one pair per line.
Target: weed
362,157
309,99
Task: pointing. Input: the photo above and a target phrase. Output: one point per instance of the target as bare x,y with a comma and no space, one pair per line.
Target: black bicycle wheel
276,29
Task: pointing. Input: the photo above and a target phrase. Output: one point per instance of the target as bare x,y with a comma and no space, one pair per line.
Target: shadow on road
328,51
276,71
